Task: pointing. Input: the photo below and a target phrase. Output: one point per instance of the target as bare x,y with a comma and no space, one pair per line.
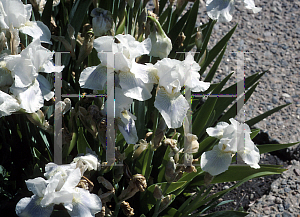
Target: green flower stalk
161,44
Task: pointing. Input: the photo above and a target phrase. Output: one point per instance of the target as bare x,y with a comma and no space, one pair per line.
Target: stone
297,172
278,200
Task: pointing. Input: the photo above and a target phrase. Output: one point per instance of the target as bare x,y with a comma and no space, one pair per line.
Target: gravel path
271,39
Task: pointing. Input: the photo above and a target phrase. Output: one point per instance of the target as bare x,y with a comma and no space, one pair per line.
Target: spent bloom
234,138
222,10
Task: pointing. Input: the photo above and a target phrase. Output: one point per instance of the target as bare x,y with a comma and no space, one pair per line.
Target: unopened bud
38,119
165,203
199,39
157,193
170,172
161,44
142,146
2,41
202,59
192,145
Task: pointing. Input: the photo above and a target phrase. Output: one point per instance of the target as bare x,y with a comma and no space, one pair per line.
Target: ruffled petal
8,104
94,77
31,98
22,70
37,30
134,47
215,161
134,87
37,186
147,73
49,67
218,130
173,107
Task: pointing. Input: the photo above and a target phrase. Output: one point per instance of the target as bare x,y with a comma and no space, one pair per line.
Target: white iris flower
14,13
30,88
171,75
61,188
125,52
234,138
222,10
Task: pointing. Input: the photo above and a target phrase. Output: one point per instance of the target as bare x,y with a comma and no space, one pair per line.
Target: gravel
271,40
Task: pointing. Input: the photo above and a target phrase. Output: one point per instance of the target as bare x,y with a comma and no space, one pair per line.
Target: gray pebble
285,214
280,208
297,171
275,101
287,189
278,200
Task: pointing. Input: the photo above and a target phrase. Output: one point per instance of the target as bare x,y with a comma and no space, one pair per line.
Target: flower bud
157,193
161,44
192,144
165,203
38,119
170,172
140,148
14,40
199,39
102,21
2,41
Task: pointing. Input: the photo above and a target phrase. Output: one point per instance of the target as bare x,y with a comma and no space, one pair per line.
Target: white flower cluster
60,187
22,87
135,81
234,138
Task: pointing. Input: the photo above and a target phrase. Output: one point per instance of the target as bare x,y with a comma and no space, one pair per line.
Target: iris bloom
125,51
14,13
222,10
233,138
171,75
30,88
61,188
